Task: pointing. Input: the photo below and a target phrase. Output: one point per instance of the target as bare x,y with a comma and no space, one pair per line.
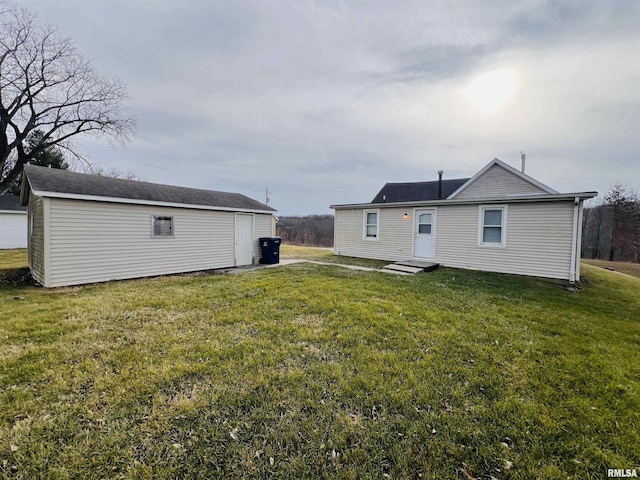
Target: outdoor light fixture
405,216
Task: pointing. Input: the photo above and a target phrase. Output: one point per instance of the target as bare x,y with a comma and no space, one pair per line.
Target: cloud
325,101
558,22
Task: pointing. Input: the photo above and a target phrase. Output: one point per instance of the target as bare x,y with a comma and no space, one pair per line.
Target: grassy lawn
311,371
627,268
12,259
326,255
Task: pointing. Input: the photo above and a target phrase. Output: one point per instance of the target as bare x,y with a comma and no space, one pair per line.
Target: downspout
579,242
574,240
335,231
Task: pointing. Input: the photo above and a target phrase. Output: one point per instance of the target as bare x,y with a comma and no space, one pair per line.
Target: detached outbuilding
13,222
87,228
499,220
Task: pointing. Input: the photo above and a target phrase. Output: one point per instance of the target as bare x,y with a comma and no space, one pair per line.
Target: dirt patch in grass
13,268
17,276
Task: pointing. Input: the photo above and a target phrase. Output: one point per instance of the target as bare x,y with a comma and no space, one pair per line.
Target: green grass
627,268
314,371
13,258
326,255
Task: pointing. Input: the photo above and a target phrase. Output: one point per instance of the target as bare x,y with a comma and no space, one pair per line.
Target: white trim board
543,197
96,198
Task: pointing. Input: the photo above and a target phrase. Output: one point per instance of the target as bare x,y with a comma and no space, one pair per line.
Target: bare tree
46,85
611,229
113,173
625,228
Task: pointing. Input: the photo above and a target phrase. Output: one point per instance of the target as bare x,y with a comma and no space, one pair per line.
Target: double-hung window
162,226
371,224
492,229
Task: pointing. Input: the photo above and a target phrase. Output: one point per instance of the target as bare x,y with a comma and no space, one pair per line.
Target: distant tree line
311,230
611,229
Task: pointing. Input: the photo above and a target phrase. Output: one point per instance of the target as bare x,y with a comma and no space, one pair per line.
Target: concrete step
395,272
403,269
426,266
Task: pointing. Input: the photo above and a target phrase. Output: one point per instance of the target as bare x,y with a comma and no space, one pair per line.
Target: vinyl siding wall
35,241
13,229
395,234
498,182
538,238
100,241
263,228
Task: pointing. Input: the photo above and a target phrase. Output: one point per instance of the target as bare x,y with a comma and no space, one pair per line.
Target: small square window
163,226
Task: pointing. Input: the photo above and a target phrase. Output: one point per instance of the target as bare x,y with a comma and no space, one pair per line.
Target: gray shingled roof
11,202
63,181
417,191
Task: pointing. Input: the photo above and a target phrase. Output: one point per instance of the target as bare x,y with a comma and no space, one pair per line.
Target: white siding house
85,228
13,222
499,220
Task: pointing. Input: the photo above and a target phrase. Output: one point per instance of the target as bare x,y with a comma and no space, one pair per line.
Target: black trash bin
270,250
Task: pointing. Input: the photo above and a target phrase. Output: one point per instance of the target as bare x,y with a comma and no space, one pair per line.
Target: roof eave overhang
134,201
557,197
19,212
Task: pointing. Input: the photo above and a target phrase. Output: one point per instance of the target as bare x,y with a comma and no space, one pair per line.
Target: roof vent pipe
523,156
440,172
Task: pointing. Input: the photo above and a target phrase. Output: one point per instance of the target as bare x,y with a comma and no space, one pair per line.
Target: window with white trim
163,226
371,224
492,228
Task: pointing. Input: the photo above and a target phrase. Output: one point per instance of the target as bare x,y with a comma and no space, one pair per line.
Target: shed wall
263,228
498,182
100,241
13,230
35,239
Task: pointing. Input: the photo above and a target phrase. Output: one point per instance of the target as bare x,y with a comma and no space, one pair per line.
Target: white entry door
244,239
424,231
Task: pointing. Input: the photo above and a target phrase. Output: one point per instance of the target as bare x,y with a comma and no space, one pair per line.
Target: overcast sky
325,101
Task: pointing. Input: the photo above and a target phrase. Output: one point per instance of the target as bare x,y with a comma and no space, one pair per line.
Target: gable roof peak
508,168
